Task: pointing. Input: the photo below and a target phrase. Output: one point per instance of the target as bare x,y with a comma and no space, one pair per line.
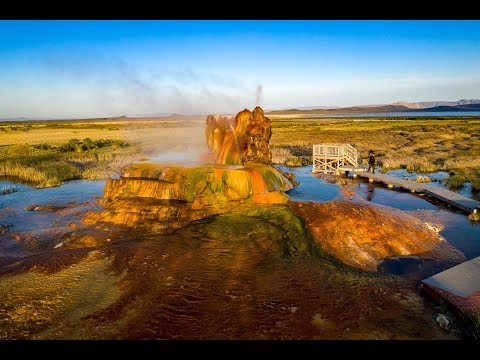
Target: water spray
258,94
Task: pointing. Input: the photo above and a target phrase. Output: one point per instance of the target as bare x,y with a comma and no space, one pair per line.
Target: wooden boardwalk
459,285
459,201
336,158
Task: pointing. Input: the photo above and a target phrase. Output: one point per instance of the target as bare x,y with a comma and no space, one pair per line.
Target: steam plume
258,94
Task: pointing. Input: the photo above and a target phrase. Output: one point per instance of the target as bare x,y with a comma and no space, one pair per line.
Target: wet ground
200,283
456,228
219,278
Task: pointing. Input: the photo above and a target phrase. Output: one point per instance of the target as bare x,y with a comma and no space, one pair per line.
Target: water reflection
370,190
461,232
400,199
313,187
73,193
9,186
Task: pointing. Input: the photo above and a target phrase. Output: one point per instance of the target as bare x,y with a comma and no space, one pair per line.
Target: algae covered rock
474,216
362,235
212,183
243,140
165,196
273,229
217,127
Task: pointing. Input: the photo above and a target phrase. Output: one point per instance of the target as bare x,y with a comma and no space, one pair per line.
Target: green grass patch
455,181
459,177
44,165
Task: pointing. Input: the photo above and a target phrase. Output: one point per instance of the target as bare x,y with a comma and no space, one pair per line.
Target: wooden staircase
331,157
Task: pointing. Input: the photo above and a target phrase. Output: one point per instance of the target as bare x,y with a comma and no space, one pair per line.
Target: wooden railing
351,154
330,157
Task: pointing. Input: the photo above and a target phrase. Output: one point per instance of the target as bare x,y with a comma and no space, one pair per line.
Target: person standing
371,161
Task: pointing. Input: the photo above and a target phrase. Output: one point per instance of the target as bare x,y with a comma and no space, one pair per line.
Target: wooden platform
352,168
459,285
459,201
328,158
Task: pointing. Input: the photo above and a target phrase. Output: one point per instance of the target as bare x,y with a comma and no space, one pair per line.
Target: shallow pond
438,176
75,197
318,187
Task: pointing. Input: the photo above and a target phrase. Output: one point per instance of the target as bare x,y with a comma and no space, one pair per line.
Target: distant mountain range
164,116
312,108
431,104
466,107
401,106
346,110
428,106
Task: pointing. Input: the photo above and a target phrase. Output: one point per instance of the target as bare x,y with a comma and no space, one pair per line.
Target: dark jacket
371,159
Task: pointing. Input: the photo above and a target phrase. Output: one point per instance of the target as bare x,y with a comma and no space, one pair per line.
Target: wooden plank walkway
462,280
459,285
336,158
459,201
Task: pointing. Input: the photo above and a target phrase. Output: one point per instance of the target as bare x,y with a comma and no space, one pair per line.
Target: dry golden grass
132,130
32,151
423,145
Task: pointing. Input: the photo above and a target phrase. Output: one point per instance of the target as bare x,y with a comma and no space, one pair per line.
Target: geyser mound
243,140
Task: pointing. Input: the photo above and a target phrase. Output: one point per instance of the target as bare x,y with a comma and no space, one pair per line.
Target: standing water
77,195
219,278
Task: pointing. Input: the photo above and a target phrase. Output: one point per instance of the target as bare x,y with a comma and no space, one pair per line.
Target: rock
474,216
3,229
58,245
321,323
423,179
431,227
443,322
207,185
166,196
216,129
244,140
289,176
42,239
256,231
420,179
47,207
84,241
362,235
169,197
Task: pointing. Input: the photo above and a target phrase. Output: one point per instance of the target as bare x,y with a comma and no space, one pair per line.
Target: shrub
455,181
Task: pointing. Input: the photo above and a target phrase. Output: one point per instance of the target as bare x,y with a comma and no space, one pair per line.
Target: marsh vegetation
420,145
48,153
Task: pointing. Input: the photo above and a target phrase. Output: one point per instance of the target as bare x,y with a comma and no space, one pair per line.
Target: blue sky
109,68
